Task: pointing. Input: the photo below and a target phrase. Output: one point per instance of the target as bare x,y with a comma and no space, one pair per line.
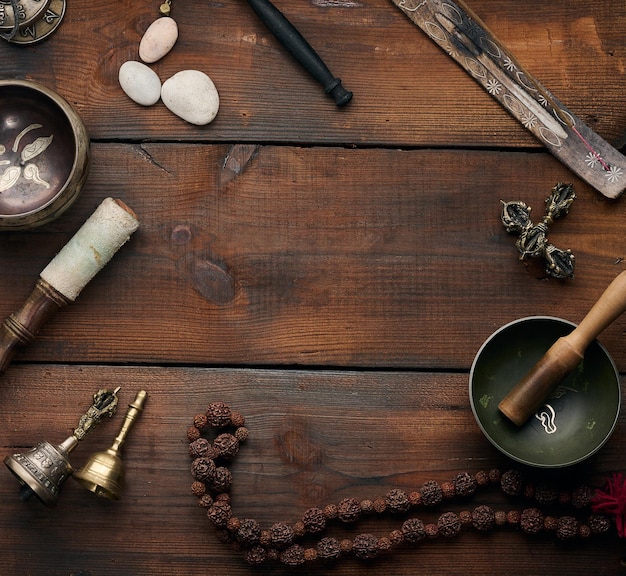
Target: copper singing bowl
574,422
44,154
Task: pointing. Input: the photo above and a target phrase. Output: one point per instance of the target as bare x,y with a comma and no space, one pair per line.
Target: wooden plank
315,438
407,91
314,256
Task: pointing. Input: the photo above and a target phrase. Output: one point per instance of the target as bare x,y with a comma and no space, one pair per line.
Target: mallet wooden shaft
87,252
564,355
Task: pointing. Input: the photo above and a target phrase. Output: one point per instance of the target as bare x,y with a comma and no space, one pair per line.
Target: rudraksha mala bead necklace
214,440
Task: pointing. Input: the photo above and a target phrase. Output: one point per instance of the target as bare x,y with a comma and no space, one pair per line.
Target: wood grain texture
314,256
329,272
315,438
407,91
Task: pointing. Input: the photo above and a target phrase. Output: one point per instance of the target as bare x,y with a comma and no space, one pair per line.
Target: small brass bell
104,472
43,469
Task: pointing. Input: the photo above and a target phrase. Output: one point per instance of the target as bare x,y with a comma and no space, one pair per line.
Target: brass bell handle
134,409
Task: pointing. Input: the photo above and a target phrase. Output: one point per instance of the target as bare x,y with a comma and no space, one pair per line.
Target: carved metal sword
461,34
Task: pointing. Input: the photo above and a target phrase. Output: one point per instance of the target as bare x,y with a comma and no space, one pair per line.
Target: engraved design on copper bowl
44,155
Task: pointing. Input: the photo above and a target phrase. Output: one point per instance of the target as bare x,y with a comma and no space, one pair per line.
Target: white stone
140,83
191,95
158,39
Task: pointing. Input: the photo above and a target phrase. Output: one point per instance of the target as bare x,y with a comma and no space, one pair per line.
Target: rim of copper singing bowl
578,418
72,183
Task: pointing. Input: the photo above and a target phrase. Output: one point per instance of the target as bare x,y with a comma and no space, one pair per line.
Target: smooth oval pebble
191,95
158,39
140,83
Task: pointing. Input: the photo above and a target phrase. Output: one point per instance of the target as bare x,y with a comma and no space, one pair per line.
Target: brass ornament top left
27,22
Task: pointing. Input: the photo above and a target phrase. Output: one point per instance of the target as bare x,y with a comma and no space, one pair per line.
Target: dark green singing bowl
575,421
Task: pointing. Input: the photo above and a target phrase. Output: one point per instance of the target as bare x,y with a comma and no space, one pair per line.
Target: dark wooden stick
302,51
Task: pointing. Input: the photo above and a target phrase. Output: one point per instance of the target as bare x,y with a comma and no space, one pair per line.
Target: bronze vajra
533,241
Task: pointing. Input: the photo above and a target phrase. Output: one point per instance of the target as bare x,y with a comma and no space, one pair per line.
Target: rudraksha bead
223,497
345,546
192,433
447,490
265,539
465,484
233,524
567,528
237,419
564,497
465,516
531,520
255,555
221,480
219,513
328,549
314,520
546,493
310,554
242,434
512,482
203,469
293,556
380,505
299,529
226,445
349,510
494,475
500,517
413,530
396,537
584,531
397,501
199,448
367,506
513,518
200,421
282,535
198,488
550,523
365,546
383,545
205,501
431,493
330,511
598,523
582,496
449,524
415,498
218,414
483,518
431,530
482,478
249,532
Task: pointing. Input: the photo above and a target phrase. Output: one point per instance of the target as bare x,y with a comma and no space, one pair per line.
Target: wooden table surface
330,273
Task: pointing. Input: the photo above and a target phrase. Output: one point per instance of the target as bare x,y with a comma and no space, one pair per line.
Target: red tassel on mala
613,501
